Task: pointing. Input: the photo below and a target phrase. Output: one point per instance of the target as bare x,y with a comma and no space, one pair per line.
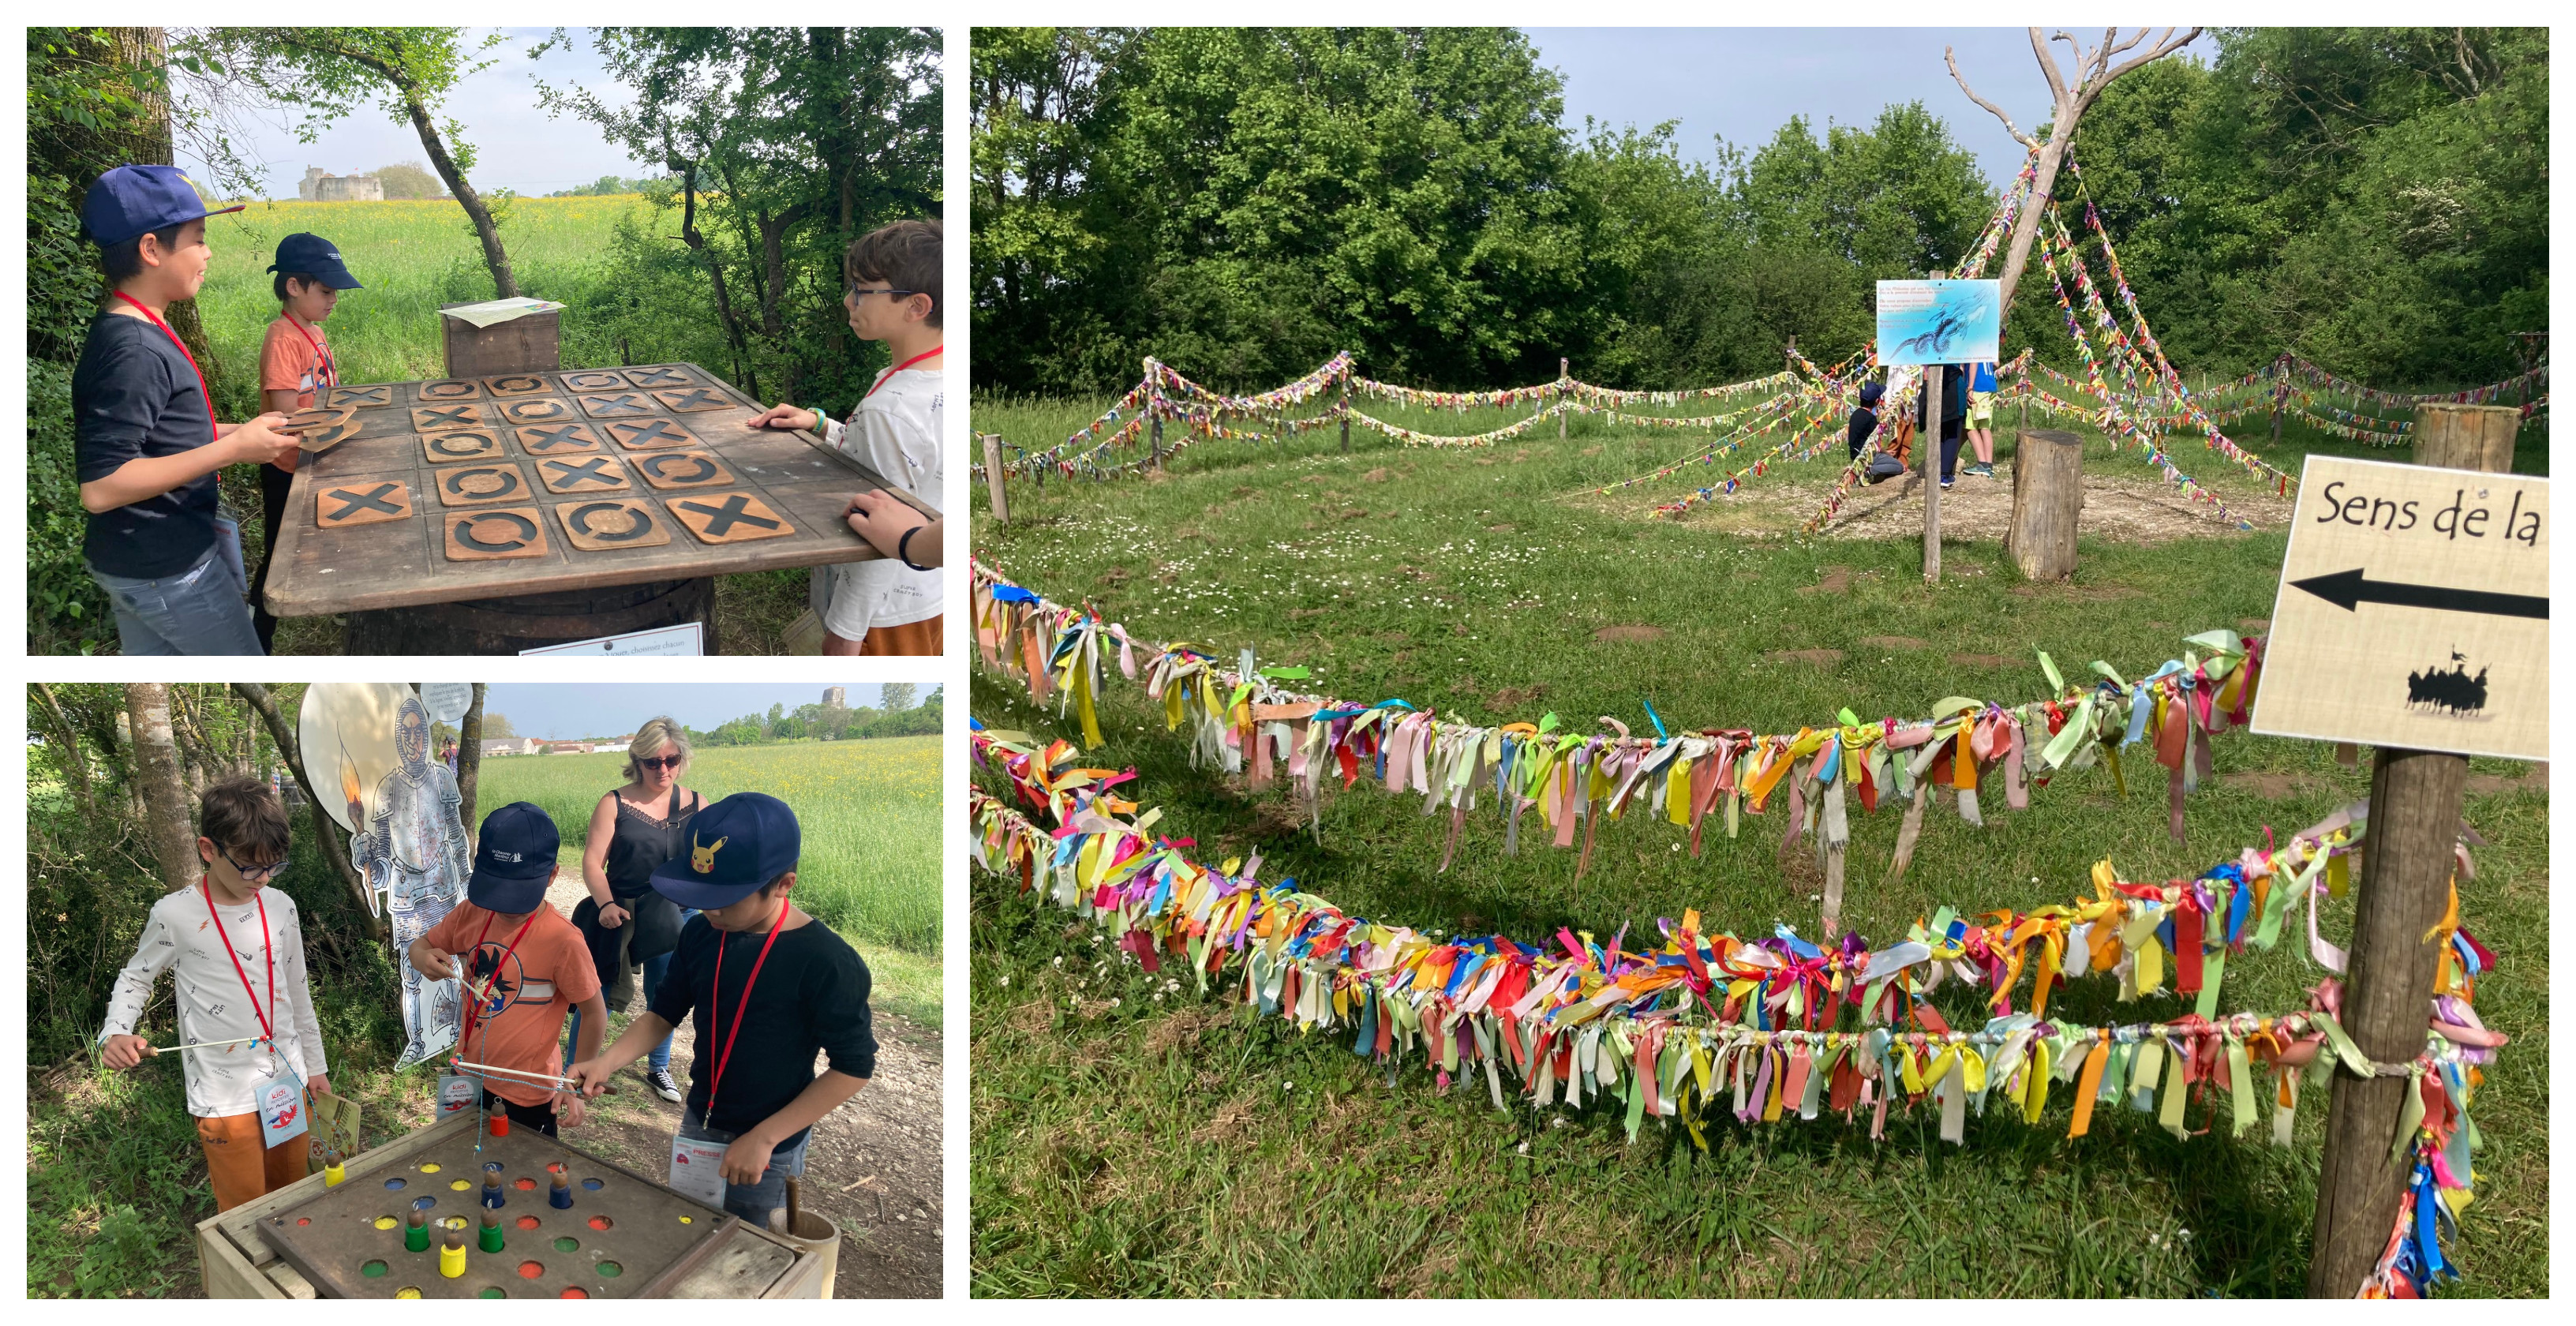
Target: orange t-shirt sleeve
575,975
286,362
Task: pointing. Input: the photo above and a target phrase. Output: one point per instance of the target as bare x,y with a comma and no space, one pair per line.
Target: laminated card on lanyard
697,1164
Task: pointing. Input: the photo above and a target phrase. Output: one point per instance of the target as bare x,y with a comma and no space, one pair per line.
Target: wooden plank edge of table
233,1261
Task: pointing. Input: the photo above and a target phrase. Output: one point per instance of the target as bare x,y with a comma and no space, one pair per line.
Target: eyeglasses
660,762
853,293
268,871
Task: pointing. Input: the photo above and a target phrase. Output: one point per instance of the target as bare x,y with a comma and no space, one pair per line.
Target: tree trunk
2048,503
148,143
67,751
325,830
156,775
2026,226
469,760
504,285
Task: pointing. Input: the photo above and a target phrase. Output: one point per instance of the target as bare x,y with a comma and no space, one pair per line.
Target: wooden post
1789,361
993,477
1930,441
2048,502
2280,395
1563,371
2406,865
1156,427
1346,420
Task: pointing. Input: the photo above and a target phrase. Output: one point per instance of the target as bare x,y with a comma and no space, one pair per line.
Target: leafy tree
793,142
409,179
895,696
408,72
497,724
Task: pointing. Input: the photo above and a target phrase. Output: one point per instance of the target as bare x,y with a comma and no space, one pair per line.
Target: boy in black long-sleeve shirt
1954,415
766,988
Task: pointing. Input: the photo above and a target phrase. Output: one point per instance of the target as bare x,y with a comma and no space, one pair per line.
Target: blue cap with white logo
735,846
515,859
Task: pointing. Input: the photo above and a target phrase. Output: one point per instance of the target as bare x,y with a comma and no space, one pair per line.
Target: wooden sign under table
537,483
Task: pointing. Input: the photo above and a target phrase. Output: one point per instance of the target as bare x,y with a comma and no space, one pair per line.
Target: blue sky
517,145
612,709
1742,84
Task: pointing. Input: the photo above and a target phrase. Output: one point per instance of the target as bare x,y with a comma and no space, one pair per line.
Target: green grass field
868,812
1174,1147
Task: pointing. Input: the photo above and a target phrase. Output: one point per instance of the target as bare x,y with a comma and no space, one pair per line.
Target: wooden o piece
433,418
454,389
594,381
552,439
478,484
315,441
583,474
649,378
548,410
682,469
460,445
516,384
616,405
736,517
320,416
653,435
361,502
2048,502
612,523
358,398
690,400
495,535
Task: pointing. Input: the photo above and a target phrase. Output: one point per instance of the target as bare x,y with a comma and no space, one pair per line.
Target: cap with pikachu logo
735,846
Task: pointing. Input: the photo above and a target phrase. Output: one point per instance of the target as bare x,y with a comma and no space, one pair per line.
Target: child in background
294,363
883,607
146,442
526,965
1981,418
768,987
242,995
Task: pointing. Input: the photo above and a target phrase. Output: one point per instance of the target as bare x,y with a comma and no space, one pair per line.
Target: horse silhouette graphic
2453,692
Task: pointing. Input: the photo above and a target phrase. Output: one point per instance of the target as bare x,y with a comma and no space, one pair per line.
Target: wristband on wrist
903,550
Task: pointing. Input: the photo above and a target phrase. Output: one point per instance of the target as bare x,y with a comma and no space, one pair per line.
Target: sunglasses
853,293
659,762
268,871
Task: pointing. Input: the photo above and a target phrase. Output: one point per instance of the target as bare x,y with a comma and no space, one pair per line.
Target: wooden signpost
993,473
1934,324
2412,613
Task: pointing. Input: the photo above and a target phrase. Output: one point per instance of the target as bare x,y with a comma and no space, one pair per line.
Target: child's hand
320,1083
589,1077
125,1051
782,416
569,1109
434,964
745,1160
262,440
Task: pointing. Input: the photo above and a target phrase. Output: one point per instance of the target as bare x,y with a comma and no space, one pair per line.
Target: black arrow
2345,589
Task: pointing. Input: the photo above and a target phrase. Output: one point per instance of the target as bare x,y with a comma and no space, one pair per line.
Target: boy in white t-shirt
890,605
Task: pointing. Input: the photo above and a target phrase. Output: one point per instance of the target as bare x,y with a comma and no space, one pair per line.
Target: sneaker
1945,485
1982,470
663,1085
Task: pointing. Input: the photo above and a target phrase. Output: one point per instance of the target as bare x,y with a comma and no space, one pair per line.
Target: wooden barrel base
511,626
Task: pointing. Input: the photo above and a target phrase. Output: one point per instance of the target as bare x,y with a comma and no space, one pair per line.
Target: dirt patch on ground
1834,580
1510,696
2124,506
1628,635
873,1166
2277,786
1893,642
1814,658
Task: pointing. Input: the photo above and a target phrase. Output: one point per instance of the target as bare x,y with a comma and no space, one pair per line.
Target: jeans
655,968
1949,457
753,1202
198,611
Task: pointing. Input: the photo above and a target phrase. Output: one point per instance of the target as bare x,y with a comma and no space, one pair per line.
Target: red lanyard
330,371
715,995
267,1021
474,1011
930,353
208,392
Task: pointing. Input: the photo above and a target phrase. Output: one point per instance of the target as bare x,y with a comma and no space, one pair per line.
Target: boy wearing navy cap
146,442
526,965
767,988
294,364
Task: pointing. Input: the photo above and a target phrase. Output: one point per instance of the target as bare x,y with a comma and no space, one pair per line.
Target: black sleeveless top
640,843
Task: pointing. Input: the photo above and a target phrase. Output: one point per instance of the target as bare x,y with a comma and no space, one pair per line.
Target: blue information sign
1940,322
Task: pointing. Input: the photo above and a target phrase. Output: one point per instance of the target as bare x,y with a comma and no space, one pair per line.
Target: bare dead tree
2070,97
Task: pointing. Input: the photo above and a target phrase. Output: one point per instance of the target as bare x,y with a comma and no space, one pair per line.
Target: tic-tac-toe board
535,483
623,1237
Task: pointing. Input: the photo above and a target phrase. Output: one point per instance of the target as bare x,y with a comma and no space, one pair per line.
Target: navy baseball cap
129,200
735,846
311,255
515,859
1871,392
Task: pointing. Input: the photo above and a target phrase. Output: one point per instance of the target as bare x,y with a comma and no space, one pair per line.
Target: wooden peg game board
644,474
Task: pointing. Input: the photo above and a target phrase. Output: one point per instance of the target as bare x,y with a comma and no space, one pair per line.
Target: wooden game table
236,1260
499,492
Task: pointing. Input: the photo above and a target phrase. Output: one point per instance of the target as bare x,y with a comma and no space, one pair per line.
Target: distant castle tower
836,697
318,186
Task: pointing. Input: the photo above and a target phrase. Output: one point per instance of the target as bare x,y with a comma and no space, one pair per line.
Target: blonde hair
653,736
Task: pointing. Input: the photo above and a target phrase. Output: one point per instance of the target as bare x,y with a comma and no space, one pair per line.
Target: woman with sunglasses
627,924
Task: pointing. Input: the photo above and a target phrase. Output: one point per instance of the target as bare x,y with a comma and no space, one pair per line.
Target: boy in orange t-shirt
294,364
525,966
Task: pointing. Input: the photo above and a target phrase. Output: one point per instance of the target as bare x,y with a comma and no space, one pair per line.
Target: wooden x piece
617,405
361,503
659,377
548,439
358,398
653,435
595,474
729,518
432,418
691,400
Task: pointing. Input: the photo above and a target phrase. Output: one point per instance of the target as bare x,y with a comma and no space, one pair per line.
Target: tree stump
2048,502
2466,437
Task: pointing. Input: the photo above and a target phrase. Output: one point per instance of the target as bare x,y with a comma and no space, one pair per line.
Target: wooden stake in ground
2407,861
1930,442
993,477
1564,370
1344,409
